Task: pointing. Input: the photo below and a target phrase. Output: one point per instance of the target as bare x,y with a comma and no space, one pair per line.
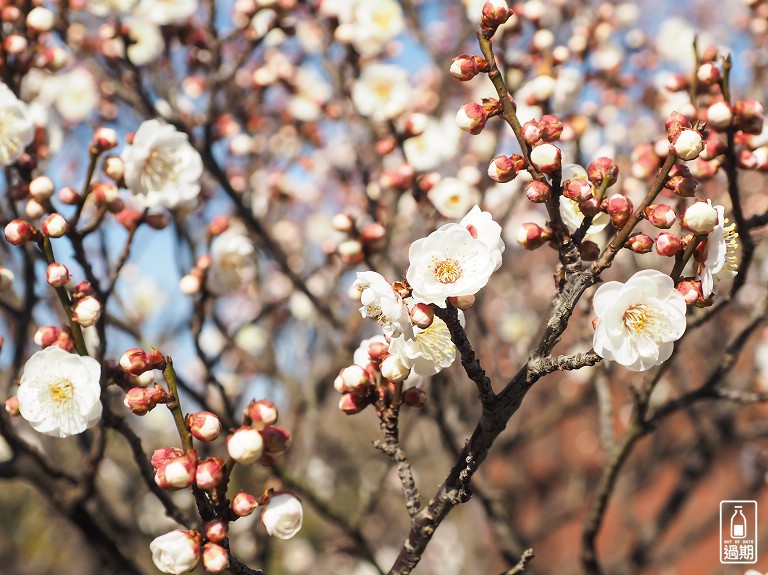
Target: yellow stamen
446,271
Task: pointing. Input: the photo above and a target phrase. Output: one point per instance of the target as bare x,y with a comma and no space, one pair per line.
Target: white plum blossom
76,95
639,320
162,169
430,351
483,227
282,515
381,302
16,127
312,92
232,262
572,217
438,143
146,41
176,552
374,24
453,197
449,262
721,261
381,92
163,12
59,392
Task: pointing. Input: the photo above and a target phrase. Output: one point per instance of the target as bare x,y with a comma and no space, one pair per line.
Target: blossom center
641,319
446,271
160,168
62,391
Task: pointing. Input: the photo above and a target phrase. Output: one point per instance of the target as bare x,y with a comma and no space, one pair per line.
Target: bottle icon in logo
738,524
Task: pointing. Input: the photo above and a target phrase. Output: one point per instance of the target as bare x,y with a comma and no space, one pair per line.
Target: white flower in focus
453,197
430,351
59,392
721,261
146,41
381,92
162,12
232,262
176,552
382,304
572,217
638,321
282,515
162,169
16,128
375,23
449,262
482,226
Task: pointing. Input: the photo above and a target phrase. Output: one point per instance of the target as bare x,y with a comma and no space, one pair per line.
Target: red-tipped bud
243,504
675,83
578,190
702,169
532,236
57,275
377,351
352,378
675,124
178,472
700,217
209,473
661,216
215,558
135,361
551,128
262,413
104,192
748,116
245,445
538,192
12,406
589,207
462,302
203,425
502,169
104,139
351,403
422,315
164,454
351,251
603,169
19,231
472,118
639,243
55,226
414,397
46,335
69,196
668,244
531,132
546,158
215,530
41,188
372,234
276,440
691,290
685,187
619,208
464,67
495,13
139,401
708,74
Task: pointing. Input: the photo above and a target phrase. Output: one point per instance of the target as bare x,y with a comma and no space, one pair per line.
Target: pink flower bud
495,13
619,208
668,244
462,302
164,454
46,335
748,116
719,116
104,139
589,207
19,231
276,440
687,144
531,132
41,188
178,472
703,169
708,74
546,158
262,413
203,425
243,504
471,118
373,234
135,361
69,196
113,167
603,169
661,216
245,445
683,186
351,403
422,315
691,290
700,217
414,397
209,473
502,169
538,192
578,190
138,401
532,236
57,275
215,530
551,128
12,406
713,146
675,124
55,226
215,558
464,67
675,83
352,378
393,369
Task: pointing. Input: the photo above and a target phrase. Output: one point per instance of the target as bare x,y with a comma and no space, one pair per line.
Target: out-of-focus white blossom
16,128
453,197
163,12
232,262
382,91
